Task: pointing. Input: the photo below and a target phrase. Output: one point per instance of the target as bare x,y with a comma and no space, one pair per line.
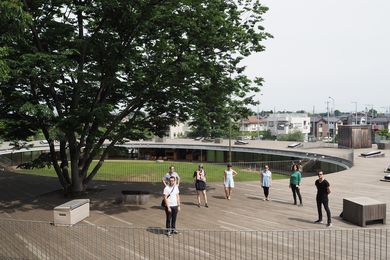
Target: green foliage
385,133
337,112
294,136
86,72
266,135
43,161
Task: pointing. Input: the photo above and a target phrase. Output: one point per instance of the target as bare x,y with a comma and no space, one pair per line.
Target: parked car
241,138
294,145
241,142
327,139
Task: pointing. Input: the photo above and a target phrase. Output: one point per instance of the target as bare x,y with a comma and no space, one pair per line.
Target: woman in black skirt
200,184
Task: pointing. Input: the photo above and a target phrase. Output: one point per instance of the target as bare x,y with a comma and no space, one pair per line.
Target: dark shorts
200,185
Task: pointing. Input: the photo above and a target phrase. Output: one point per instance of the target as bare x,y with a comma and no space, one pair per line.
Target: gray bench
361,210
71,212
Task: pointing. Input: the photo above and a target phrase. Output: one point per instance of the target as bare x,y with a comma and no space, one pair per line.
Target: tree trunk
78,186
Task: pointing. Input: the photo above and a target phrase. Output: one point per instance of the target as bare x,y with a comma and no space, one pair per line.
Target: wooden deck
33,199
29,198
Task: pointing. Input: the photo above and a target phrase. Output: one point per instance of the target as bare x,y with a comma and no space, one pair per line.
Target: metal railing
154,170
42,240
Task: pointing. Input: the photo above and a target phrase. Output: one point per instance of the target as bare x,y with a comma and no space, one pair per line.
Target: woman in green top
295,181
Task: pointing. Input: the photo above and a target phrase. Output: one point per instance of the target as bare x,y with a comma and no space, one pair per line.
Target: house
358,118
321,128
380,123
286,123
253,123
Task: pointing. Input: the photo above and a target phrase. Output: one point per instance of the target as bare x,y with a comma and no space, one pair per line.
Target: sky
334,52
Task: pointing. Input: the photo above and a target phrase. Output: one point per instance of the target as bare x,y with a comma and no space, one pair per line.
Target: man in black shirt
322,198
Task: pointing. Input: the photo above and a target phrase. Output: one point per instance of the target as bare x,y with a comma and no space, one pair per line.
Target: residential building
285,123
380,123
320,128
253,123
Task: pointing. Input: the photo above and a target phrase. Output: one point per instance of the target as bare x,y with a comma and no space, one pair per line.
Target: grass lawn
152,171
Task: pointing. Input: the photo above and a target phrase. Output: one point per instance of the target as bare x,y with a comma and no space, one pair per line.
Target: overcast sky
322,49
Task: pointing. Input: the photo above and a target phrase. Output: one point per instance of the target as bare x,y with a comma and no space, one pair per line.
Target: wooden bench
361,210
71,212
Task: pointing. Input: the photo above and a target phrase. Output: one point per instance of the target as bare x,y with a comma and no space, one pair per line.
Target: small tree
294,136
384,133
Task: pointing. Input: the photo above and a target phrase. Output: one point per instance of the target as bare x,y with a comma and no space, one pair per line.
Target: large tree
84,72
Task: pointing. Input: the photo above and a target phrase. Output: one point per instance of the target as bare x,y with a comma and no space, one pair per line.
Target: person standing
172,205
171,172
200,184
228,180
295,181
266,179
323,190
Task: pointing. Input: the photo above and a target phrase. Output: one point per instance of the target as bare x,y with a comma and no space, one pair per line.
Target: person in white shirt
172,202
228,180
171,172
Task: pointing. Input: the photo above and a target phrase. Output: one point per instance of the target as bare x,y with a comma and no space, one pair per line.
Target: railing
5,162
154,170
41,240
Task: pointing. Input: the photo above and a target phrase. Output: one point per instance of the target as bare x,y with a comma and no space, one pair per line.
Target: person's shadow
156,230
254,198
302,220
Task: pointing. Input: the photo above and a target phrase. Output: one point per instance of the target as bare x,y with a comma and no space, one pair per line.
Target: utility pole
258,123
230,139
334,121
366,110
327,109
355,112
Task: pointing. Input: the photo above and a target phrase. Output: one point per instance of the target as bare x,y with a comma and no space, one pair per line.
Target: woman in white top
228,180
266,179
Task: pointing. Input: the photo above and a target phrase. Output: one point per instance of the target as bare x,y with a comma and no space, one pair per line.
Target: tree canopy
91,72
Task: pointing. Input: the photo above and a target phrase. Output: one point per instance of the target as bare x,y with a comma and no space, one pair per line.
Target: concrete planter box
135,197
71,212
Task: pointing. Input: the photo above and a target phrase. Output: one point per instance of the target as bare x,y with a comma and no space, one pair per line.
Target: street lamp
333,108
